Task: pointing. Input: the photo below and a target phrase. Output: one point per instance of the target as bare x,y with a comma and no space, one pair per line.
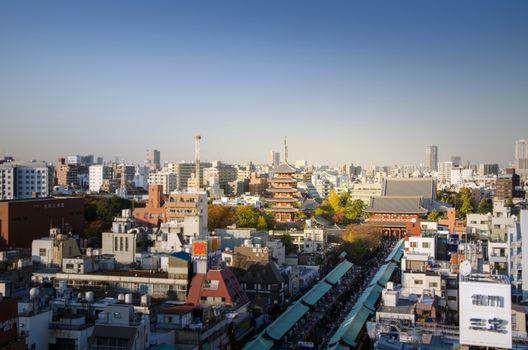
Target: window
451,298
42,252
117,315
115,243
121,243
433,284
69,266
425,245
420,282
126,244
413,245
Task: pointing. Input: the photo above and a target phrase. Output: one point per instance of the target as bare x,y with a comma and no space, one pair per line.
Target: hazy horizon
347,82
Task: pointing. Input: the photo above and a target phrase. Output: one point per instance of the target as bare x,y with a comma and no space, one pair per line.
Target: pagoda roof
284,168
282,190
283,179
283,210
282,200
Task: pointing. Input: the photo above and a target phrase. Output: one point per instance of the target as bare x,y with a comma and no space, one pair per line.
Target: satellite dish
465,268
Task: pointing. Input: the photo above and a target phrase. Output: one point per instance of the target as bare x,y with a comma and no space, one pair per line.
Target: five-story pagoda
283,188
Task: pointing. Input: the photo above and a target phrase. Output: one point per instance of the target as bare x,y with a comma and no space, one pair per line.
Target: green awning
286,320
338,272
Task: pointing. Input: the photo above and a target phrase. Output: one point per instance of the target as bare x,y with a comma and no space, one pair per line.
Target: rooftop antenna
197,139
285,151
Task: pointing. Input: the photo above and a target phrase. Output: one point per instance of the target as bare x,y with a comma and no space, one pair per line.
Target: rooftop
485,278
404,306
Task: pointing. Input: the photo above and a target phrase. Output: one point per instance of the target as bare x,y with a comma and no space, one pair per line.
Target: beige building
51,250
167,180
182,205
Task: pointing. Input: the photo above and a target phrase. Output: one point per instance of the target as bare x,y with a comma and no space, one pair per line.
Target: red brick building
22,221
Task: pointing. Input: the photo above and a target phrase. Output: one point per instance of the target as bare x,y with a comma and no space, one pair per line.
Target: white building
420,283
168,180
96,175
421,245
444,171
33,325
485,311
141,177
518,257
21,180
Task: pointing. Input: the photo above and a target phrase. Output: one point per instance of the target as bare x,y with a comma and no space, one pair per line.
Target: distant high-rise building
444,172
152,159
488,169
431,157
456,160
96,175
521,157
66,174
274,158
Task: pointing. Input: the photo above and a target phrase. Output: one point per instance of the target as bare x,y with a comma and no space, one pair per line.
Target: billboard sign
199,250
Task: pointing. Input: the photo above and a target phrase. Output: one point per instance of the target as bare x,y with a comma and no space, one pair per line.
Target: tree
485,206
324,210
246,216
509,203
370,234
334,200
354,211
433,215
287,241
219,216
107,208
262,224
466,207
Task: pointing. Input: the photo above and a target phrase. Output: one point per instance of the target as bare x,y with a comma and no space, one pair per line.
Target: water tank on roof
33,293
145,300
121,297
128,298
89,296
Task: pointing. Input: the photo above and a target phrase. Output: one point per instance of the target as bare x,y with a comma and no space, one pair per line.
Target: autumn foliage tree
340,208
219,216
359,240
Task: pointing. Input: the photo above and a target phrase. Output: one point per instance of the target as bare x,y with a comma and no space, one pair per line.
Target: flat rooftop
485,278
404,306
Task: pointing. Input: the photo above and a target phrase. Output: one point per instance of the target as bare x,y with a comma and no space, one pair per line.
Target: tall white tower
197,140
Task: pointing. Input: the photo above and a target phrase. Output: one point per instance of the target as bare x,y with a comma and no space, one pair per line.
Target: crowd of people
318,326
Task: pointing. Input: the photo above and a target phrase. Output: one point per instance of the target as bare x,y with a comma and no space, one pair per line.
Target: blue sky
370,82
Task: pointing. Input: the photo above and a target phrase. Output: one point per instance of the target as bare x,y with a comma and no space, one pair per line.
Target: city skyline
346,82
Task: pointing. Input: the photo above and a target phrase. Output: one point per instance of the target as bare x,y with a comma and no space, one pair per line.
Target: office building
66,174
485,311
22,221
444,172
274,158
456,160
183,171
96,176
167,180
521,157
152,159
488,169
507,185
22,180
431,158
